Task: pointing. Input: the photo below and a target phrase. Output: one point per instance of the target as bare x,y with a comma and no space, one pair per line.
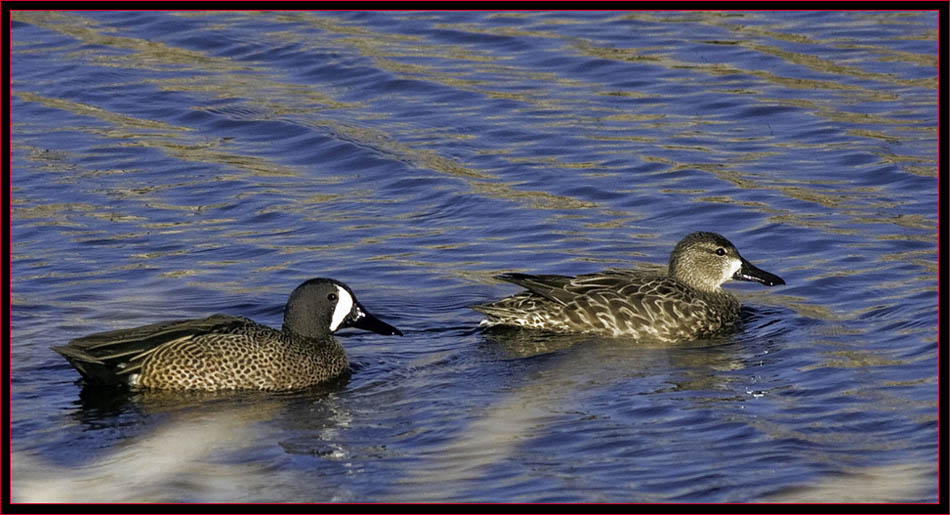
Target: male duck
224,352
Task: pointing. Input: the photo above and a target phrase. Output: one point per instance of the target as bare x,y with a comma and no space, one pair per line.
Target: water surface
177,164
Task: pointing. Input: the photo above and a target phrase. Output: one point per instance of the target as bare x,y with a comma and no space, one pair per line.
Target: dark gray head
705,260
320,306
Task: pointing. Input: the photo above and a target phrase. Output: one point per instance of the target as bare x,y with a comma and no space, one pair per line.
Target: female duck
686,303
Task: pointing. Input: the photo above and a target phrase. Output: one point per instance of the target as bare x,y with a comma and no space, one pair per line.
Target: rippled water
170,165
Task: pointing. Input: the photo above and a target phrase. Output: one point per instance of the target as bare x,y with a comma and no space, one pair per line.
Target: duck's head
321,306
705,260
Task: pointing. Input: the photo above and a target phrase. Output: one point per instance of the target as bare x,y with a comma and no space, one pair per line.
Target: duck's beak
362,319
750,272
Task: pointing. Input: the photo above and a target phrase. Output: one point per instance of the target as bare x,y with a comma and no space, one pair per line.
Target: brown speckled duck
686,303
224,352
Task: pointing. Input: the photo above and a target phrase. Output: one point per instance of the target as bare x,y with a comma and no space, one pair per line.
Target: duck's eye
332,297
720,251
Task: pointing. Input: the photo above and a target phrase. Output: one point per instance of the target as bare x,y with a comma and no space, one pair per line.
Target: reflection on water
173,165
563,384
174,463
903,482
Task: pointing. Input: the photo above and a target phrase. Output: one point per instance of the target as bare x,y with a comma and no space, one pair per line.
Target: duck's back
214,353
623,303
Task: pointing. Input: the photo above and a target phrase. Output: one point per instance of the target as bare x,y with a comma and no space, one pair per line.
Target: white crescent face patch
342,309
735,266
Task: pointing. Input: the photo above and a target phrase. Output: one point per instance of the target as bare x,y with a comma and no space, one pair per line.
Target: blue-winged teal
224,352
685,304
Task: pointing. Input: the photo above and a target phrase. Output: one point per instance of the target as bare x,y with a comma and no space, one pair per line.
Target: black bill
750,272
362,319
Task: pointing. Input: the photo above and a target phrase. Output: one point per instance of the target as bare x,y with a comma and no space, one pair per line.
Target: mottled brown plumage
224,352
687,303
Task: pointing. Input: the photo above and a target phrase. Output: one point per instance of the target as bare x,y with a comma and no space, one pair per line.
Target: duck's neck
690,280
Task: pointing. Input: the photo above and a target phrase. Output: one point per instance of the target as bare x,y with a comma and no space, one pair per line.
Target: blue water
173,165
